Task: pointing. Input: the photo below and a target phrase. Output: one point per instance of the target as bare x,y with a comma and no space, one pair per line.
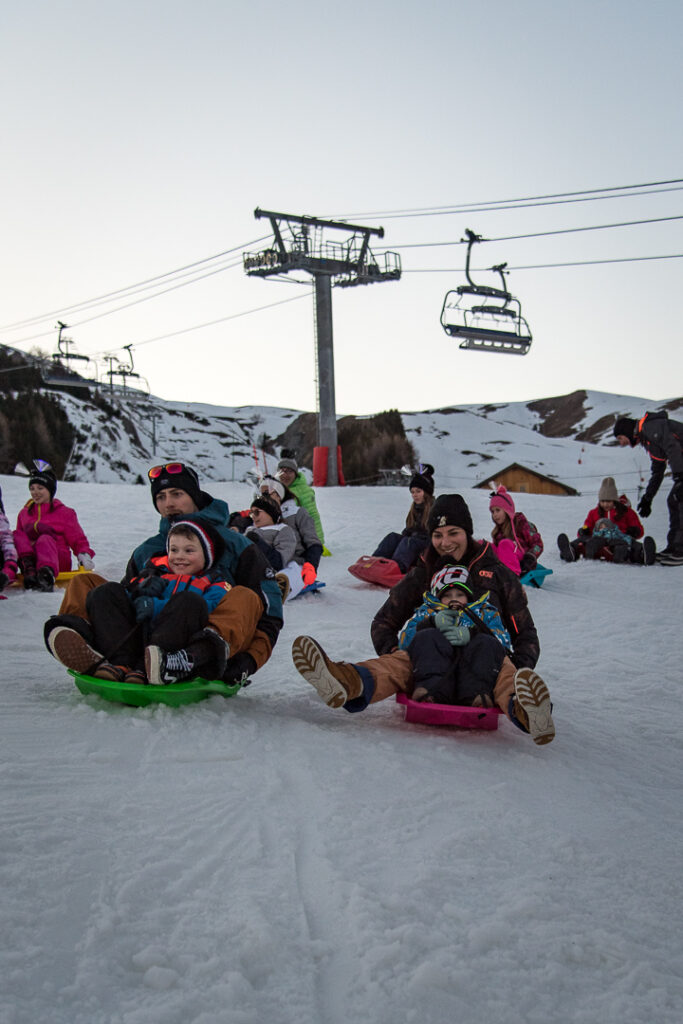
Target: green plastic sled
140,695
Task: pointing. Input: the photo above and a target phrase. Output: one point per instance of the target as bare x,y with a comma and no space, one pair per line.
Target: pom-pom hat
423,478
43,474
501,498
450,510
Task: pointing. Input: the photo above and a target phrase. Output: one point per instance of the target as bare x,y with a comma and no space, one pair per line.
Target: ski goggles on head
170,467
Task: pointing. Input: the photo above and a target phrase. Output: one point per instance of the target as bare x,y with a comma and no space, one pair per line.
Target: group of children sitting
157,622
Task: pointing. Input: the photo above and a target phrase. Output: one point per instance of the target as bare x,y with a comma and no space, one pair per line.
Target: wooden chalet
523,480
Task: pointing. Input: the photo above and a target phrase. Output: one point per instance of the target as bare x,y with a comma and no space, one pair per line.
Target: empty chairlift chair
485,318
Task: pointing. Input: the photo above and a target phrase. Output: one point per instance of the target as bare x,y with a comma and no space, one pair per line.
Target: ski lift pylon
487,319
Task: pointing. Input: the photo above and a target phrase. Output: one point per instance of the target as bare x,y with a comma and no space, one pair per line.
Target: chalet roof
526,469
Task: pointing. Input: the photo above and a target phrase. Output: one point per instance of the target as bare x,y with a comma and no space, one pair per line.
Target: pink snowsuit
525,544
8,554
50,532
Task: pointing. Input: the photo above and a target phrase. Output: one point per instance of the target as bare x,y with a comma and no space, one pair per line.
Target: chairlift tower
298,245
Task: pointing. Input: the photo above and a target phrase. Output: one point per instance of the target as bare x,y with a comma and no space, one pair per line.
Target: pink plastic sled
448,714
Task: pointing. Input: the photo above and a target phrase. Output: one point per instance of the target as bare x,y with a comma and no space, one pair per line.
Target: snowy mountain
567,438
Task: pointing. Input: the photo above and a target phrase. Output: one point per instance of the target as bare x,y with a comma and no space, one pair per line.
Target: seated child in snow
620,542
515,540
8,552
159,619
278,542
456,646
47,532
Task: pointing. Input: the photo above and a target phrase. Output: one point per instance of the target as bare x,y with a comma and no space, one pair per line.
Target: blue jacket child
155,628
456,646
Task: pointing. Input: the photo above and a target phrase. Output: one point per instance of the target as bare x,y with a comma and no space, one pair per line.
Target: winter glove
152,586
645,506
633,531
4,580
584,532
144,608
308,574
239,668
85,560
445,622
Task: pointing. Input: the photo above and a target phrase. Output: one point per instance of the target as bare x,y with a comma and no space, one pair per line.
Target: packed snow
268,860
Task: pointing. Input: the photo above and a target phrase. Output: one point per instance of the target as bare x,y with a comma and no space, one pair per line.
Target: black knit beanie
267,506
625,427
184,480
46,478
450,510
423,478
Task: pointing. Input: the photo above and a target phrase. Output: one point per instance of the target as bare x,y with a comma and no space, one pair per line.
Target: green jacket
305,496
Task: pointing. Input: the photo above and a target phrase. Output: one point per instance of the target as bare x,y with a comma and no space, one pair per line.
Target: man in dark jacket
662,439
518,691
249,617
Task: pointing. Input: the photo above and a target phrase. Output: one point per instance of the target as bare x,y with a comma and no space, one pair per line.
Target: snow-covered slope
267,859
466,444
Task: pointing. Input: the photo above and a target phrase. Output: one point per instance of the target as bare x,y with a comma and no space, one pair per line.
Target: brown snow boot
336,681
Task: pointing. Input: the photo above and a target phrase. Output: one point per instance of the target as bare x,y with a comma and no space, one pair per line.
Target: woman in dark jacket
518,691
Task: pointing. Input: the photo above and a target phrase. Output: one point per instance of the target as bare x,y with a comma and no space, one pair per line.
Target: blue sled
312,588
535,577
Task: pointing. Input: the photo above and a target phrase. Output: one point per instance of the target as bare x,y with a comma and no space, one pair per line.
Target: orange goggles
171,468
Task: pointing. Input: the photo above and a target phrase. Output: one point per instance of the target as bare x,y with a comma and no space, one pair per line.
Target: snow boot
113,673
284,585
72,650
163,667
567,553
336,681
649,551
530,707
27,565
45,579
209,653
673,557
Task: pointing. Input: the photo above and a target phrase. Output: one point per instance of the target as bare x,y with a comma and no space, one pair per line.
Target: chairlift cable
139,284
544,266
495,203
542,234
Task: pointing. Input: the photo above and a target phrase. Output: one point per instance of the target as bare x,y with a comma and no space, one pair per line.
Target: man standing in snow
662,439
249,617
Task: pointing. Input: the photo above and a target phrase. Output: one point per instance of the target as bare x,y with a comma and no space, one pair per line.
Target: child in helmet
47,532
456,645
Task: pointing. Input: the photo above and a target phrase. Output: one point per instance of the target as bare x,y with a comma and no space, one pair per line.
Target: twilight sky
139,137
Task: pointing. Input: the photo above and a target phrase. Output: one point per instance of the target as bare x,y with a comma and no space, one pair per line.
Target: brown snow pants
235,617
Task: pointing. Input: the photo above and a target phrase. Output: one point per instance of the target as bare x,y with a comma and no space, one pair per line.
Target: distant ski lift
126,372
59,372
487,319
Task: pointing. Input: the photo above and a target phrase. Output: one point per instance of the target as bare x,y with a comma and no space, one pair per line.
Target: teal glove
446,623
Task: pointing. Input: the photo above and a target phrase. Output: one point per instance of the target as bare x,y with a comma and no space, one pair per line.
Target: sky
269,859
140,138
